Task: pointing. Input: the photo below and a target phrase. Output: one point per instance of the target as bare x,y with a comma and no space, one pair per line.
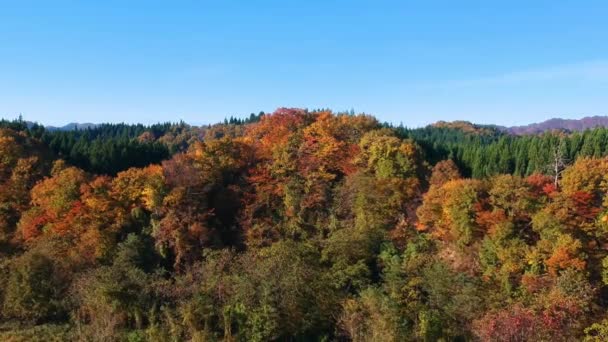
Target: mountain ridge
587,122
581,124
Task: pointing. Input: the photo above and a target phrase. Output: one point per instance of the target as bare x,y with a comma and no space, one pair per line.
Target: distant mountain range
534,128
559,124
69,127
73,126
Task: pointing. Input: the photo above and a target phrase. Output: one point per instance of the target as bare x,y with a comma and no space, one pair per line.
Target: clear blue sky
416,62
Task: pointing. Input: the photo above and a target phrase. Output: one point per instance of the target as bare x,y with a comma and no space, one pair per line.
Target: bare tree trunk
559,162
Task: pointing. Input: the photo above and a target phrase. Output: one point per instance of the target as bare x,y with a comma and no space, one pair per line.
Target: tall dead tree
558,160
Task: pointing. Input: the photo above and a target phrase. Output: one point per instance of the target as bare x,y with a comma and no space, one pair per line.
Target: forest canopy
302,225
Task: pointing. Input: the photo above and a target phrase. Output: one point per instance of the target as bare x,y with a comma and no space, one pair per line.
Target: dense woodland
302,226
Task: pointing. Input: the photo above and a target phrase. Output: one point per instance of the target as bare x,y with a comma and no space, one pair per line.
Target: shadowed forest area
302,226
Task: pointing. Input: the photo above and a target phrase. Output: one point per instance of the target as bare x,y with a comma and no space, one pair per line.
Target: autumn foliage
299,225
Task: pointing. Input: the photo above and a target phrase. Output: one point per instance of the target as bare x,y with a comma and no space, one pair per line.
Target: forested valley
302,226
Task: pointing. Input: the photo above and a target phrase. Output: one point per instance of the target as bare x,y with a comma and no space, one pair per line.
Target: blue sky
416,62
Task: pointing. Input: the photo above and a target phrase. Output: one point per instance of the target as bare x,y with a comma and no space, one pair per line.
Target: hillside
72,126
301,226
570,125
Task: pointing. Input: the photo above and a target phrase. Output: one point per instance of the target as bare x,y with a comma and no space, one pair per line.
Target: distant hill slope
468,127
69,127
559,124
72,126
